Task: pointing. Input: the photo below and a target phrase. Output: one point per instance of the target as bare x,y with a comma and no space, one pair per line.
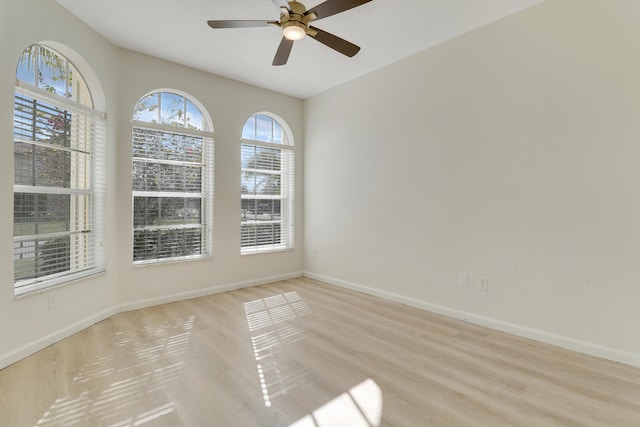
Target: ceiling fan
295,20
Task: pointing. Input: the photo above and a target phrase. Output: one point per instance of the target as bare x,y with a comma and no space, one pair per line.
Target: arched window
172,179
266,211
59,173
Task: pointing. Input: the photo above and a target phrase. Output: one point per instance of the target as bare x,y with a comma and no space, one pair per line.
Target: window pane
145,244
23,164
260,234
145,143
260,210
172,109
248,235
264,131
26,70
145,211
184,240
192,241
52,72
179,147
170,243
264,210
277,133
177,243
37,121
268,184
178,210
194,117
58,127
42,166
249,130
248,209
40,213
253,157
147,109
25,123
158,145
146,176
38,258
172,177
53,167
266,158
247,155
162,244
193,179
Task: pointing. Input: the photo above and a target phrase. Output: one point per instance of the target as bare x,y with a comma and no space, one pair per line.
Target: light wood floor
301,353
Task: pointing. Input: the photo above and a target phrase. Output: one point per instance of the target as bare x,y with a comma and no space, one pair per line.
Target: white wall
27,324
510,153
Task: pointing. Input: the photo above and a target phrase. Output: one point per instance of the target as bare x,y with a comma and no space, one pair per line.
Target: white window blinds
59,190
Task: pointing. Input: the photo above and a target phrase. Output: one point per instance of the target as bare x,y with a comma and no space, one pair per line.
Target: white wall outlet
463,279
484,284
314,254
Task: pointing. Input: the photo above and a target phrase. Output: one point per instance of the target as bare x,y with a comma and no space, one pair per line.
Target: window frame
85,255
205,195
287,185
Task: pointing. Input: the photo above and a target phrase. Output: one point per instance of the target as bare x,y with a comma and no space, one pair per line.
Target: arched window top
46,69
265,128
172,109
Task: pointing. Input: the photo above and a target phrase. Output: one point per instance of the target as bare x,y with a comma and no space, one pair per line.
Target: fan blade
331,7
282,55
241,24
281,3
334,42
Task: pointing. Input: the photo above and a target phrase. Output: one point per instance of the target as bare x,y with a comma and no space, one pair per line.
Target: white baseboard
39,344
537,335
165,299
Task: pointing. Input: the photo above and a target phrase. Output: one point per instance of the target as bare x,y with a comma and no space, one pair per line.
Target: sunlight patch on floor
361,406
124,387
277,321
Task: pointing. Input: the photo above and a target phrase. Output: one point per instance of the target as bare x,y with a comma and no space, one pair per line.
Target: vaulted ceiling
386,31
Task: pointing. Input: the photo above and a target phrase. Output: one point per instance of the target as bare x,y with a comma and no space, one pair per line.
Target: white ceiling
386,30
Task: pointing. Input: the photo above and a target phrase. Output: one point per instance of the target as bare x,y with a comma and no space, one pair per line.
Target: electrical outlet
463,279
484,284
315,253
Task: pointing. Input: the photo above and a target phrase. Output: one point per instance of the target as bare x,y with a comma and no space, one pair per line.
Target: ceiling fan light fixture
294,30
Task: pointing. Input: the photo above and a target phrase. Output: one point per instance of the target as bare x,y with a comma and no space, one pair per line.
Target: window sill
148,263
253,251
48,285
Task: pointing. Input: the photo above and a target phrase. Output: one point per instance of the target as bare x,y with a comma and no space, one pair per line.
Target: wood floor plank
301,353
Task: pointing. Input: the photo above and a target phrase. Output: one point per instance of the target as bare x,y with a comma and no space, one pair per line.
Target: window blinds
172,194
59,190
267,197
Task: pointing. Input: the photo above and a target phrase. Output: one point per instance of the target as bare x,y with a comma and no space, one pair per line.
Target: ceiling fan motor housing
295,24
